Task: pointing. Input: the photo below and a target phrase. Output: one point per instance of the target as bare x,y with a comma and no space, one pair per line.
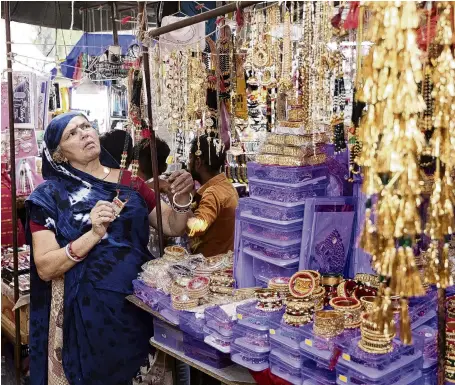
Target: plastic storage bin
349,372
167,311
285,371
192,323
251,337
149,295
280,256
200,351
313,374
277,235
256,362
285,175
286,195
247,313
167,335
287,353
265,270
216,340
252,208
217,319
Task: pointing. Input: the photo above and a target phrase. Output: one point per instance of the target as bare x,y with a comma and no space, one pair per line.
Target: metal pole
155,171
114,22
202,17
441,335
17,343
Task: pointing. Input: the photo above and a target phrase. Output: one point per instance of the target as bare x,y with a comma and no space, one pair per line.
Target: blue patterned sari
105,338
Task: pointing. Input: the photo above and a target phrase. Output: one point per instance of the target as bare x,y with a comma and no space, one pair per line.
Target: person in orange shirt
212,227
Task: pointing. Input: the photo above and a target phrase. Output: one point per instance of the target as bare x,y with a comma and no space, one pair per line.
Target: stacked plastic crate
269,223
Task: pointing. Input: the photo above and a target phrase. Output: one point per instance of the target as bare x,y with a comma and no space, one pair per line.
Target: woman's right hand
101,216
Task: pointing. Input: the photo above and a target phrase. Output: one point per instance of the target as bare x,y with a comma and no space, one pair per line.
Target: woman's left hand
181,182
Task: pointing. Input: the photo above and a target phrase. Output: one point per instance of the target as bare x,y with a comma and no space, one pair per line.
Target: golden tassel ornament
405,322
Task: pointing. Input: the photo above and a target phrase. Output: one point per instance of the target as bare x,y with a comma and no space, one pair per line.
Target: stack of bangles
328,323
330,284
222,282
318,298
198,287
268,300
373,341
72,255
280,284
175,253
351,308
184,302
368,303
451,307
182,209
450,352
299,311
303,283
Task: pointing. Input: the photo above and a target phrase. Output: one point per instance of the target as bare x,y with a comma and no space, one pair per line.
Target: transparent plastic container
288,335
253,209
167,311
192,323
313,374
259,319
278,255
200,351
254,361
265,270
286,195
251,337
285,175
285,371
277,235
349,372
216,340
217,319
167,335
149,295
287,353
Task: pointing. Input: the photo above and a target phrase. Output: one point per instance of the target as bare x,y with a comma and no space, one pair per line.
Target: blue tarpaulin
93,44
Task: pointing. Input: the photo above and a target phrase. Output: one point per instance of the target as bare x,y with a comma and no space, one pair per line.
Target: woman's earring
58,157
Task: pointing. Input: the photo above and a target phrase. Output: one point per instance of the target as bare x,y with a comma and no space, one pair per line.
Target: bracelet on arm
71,255
181,209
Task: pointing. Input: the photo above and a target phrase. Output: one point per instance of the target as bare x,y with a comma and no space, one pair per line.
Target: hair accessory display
351,308
328,323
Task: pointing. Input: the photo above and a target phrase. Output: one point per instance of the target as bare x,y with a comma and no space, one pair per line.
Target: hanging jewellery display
339,103
392,144
440,224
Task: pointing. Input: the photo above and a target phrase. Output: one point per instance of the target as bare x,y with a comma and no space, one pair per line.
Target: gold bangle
296,320
331,280
368,303
318,298
272,149
351,308
276,139
328,323
374,349
372,280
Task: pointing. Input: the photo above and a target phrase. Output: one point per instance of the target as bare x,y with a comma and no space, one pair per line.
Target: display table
8,314
232,375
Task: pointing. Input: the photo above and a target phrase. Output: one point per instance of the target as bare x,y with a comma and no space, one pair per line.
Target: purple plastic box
217,340
167,311
149,295
286,195
250,337
168,335
259,319
266,270
287,353
278,255
285,371
279,235
252,208
313,373
397,372
217,319
200,351
192,323
285,175
254,361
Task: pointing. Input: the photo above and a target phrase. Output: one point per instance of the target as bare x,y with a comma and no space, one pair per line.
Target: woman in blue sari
82,330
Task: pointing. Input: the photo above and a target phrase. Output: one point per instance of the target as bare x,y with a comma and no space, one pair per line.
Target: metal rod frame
17,314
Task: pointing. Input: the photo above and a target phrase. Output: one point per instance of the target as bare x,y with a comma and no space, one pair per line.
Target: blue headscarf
52,138
105,338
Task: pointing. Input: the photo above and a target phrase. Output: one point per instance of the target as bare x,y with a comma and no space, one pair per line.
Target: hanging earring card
24,108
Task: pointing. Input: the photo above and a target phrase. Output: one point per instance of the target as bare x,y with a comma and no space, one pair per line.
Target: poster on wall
27,176
24,86
5,111
42,85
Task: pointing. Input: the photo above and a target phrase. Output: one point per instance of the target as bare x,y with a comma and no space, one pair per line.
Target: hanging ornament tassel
382,315
405,322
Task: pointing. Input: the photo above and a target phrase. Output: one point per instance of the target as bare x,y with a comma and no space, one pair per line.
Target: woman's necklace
107,171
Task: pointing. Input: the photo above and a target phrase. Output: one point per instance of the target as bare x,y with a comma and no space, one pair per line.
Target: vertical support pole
17,345
114,21
441,335
155,171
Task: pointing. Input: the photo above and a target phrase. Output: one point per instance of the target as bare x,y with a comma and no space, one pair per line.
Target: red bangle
73,254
